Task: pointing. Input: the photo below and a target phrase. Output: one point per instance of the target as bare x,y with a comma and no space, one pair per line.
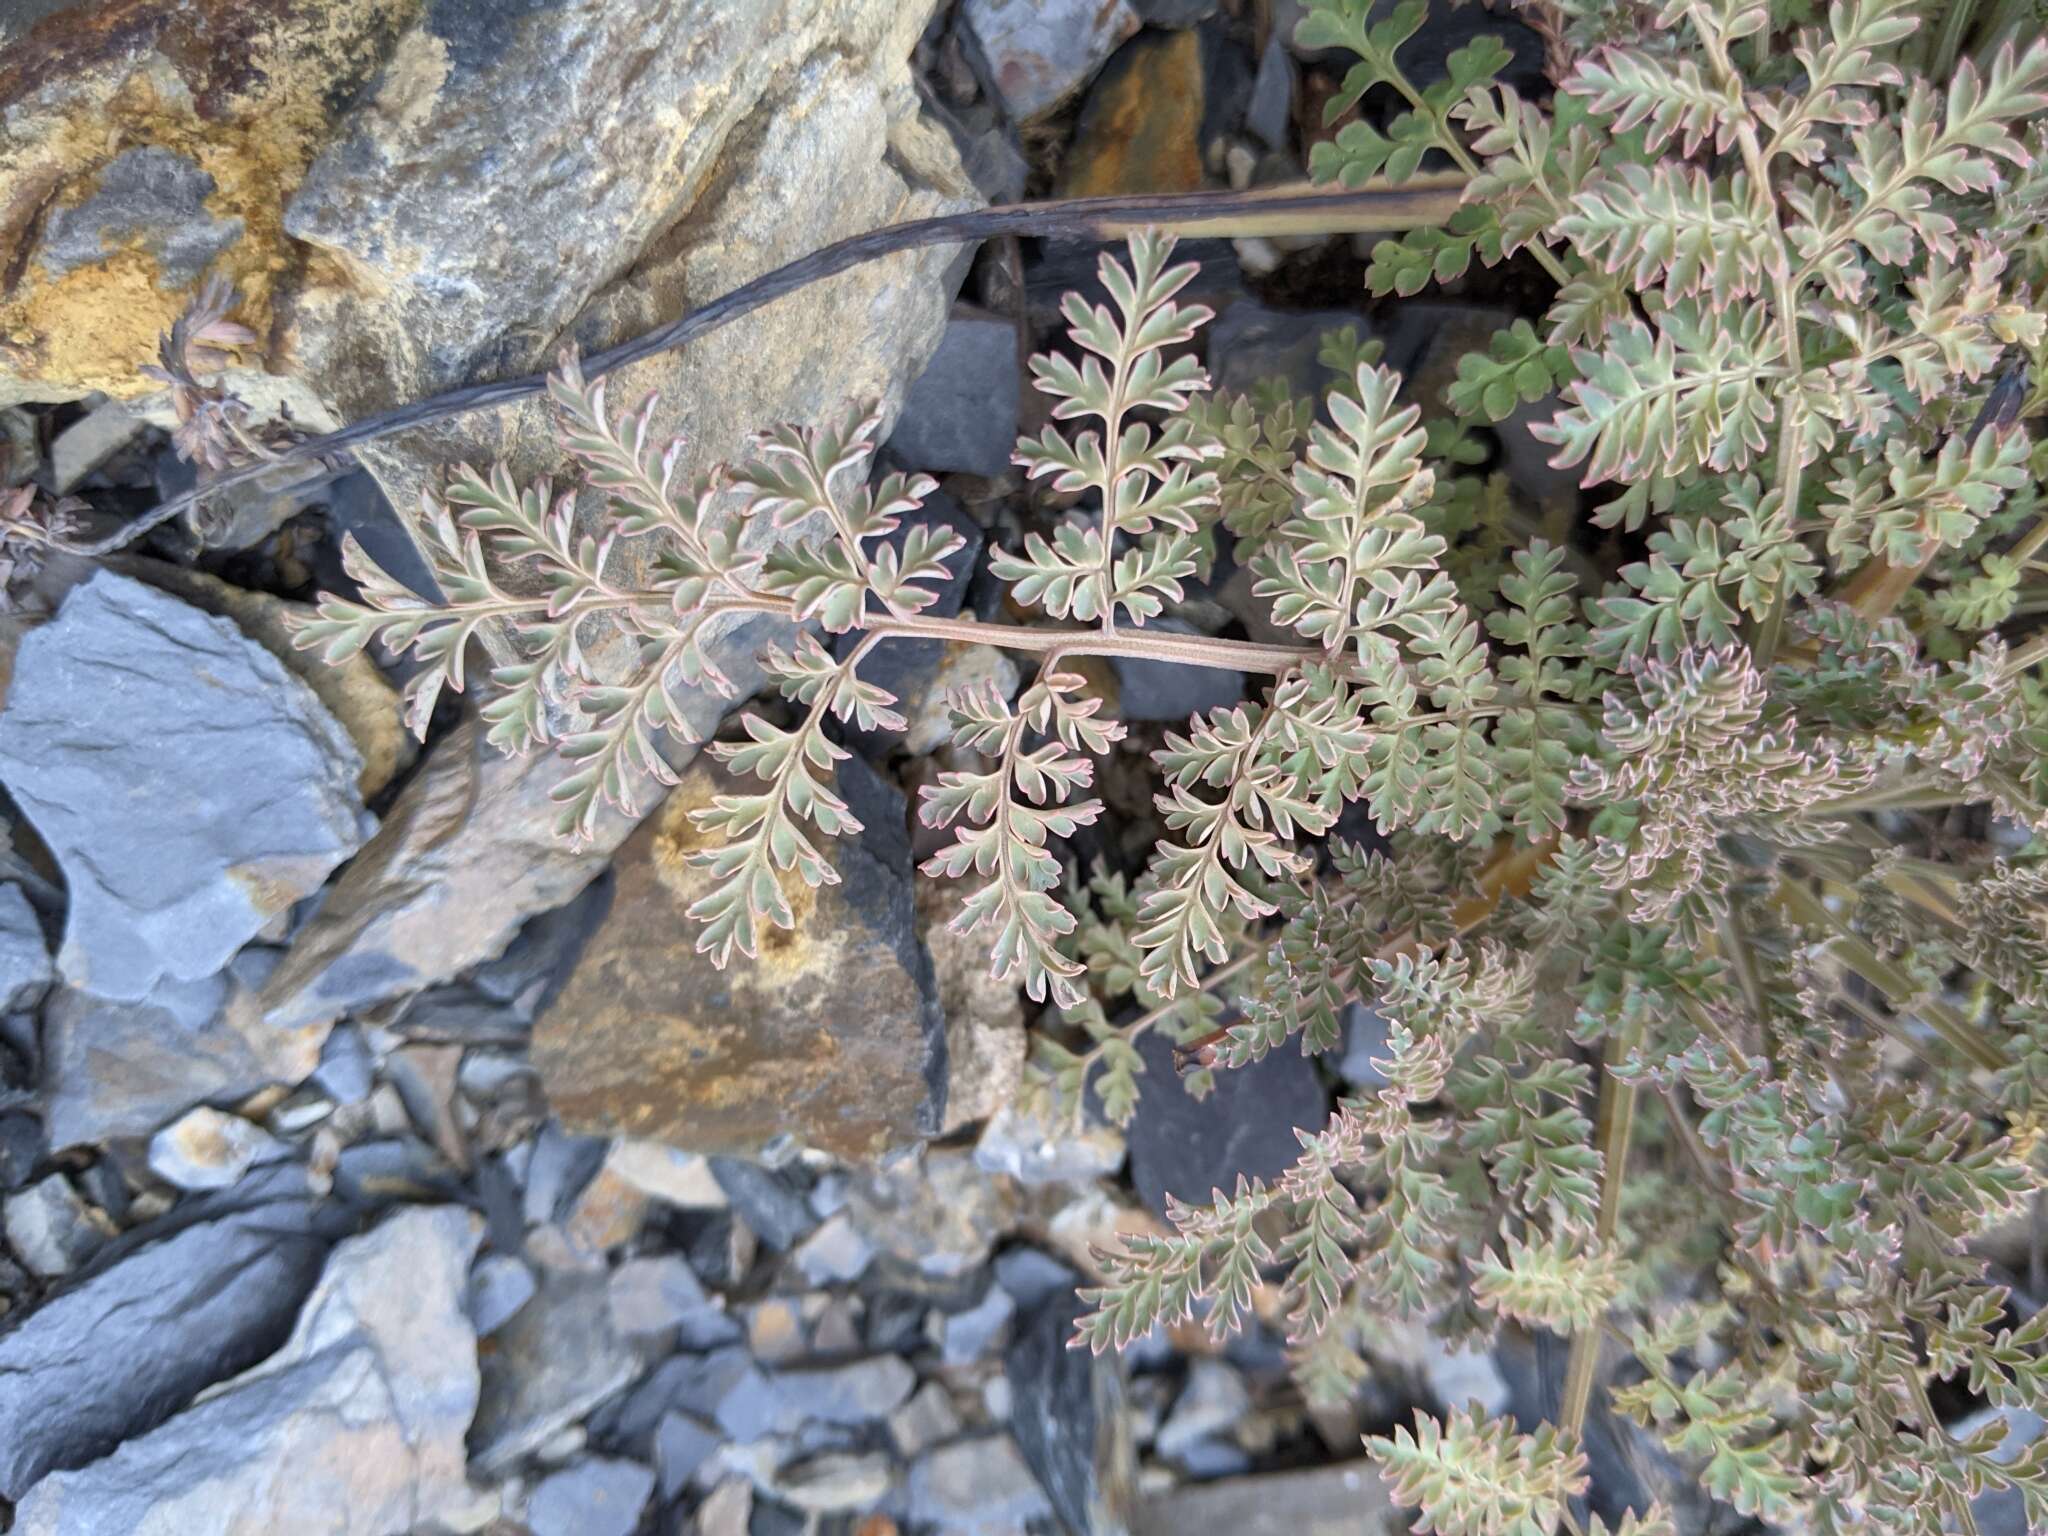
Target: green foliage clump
1682,948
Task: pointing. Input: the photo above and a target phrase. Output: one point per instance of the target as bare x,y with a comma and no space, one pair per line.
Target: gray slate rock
1069,1418
552,1364
682,1444
595,1497
354,1427
466,854
1269,113
498,1287
1251,341
22,1146
961,413
1164,690
976,1488
765,1200
967,1336
114,1068
208,1149
1365,1042
1187,1149
50,1229
860,1392
191,787
1349,1499
25,972
1039,52
1213,1400
179,1313
658,1295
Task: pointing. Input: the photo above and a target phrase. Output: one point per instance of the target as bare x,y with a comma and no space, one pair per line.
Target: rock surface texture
191,788
355,1426
833,1034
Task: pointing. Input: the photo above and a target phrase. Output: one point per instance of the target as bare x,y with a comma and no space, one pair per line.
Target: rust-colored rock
117,108
1141,130
833,1034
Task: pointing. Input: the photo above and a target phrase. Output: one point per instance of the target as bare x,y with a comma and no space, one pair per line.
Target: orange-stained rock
833,1034
219,107
1141,128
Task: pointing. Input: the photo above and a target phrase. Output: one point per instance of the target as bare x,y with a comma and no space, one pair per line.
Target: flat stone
763,1198
1365,1043
1269,115
961,413
356,692
466,854
1070,1420
833,1484
1345,1500
1163,690
835,1254
680,1179
1212,1402
25,970
682,1444
498,1287
940,1218
1246,1125
1039,54
661,1294
605,1214
985,1044
51,1230
976,1487
595,1497
22,1146
115,1068
1035,1145
832,1036
967,1336
90,442
355,1426
1250,342
928,1419
130,703
208,1149
1033,1276
180,1312
552,1364
859,1392
1140,130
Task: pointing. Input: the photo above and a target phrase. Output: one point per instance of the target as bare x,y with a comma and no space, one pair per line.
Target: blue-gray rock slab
961,413
117,1352
1069,1419
1189,1149
354,1427
597,1496
1038,53
113,1069
190,787
554,1362
25,971
832,1037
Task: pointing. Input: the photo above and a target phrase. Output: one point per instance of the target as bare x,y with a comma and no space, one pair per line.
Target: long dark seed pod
1422,201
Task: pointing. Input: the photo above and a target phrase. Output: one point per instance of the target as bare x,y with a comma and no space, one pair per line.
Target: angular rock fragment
123,1069
1039,54
833,1035
354,1427
207,1149
190,787
179,1313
